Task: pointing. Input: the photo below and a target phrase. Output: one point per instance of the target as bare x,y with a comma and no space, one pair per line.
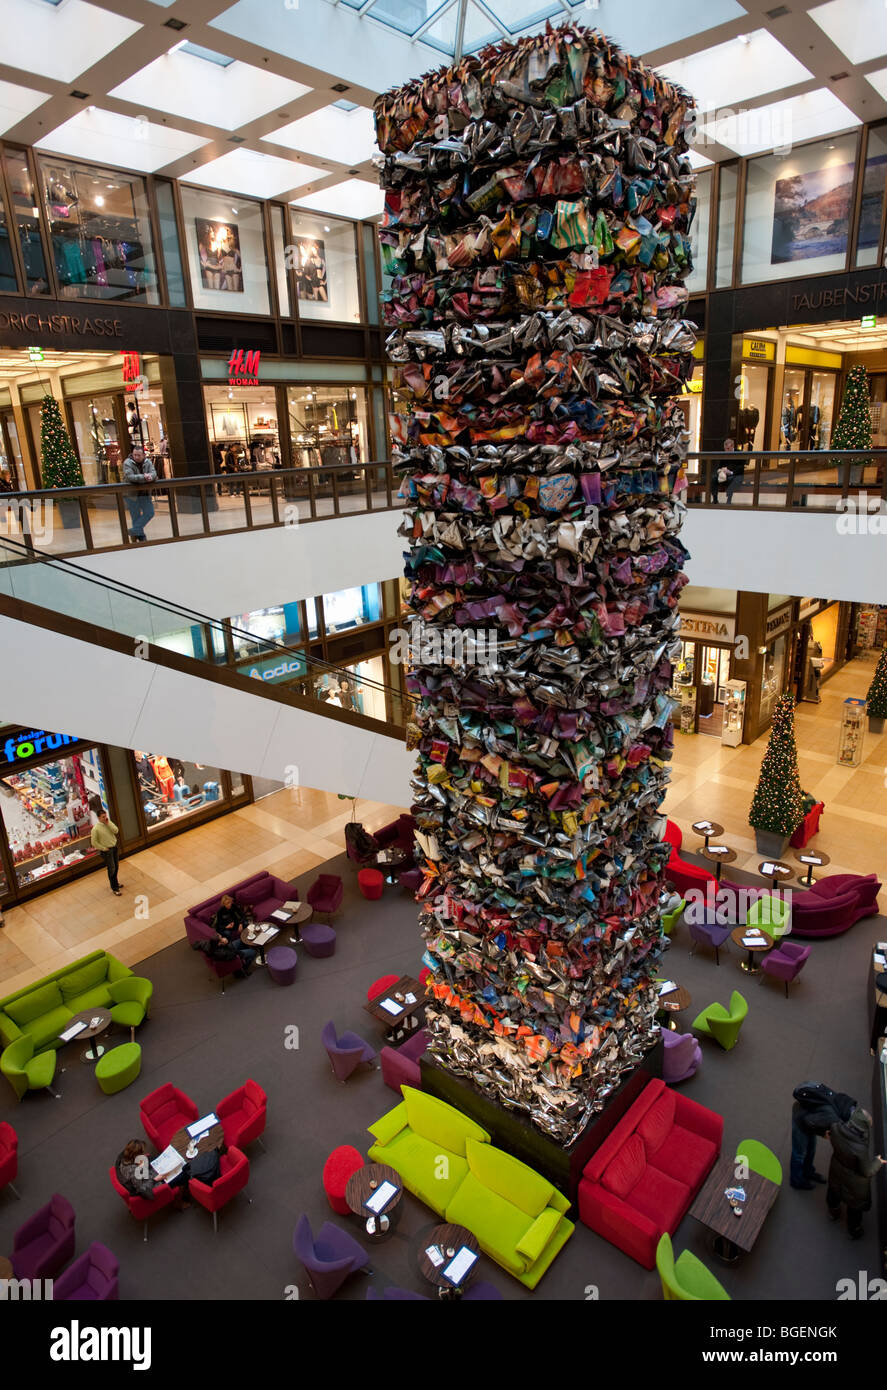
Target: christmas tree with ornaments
854,427
59,465
778,803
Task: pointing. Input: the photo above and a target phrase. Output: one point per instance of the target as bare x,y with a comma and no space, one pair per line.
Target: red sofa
678,871
809,826
263,892
641,1181
833,904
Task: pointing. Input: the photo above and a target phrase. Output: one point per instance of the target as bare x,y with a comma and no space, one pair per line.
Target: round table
93,1053
776,871
210,1139
814,859
728,856
675,1003
361,1186
766,943
390,862
707,828
303,913
6,1270
448,1238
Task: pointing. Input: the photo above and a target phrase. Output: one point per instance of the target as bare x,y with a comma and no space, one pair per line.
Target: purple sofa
833,904
46,1242
263,892
93,1276
400,1065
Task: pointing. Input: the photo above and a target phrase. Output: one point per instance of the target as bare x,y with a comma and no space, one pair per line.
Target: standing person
851,1170
817,662
104,838
816,1109
139,470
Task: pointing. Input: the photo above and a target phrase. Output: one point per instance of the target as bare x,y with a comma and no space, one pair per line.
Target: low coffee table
260,929
390,862
727,856
448,1238
395,1022
765,941
811,859
210,1139
733,1234
303,913
707,828
775,870
675,1003
94,1052
361,1186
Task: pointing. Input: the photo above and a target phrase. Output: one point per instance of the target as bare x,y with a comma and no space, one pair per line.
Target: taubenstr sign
840,296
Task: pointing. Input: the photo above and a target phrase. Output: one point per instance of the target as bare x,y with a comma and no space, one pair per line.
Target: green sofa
446,1160
41,1010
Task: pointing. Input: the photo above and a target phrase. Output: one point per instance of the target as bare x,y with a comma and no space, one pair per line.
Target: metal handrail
797,487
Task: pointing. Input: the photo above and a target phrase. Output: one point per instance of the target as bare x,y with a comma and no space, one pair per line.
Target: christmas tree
877,696
854,427
778,803
59,464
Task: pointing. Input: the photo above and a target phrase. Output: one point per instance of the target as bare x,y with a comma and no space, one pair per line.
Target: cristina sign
22,747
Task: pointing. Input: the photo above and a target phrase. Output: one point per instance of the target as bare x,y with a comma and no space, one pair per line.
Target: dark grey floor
208,1044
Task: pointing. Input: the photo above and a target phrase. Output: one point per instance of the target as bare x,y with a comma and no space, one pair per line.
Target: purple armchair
93,1276
399,834
708,934
345,1053
400,1065
325,894
786,962
681,1057
329,1257
46,1242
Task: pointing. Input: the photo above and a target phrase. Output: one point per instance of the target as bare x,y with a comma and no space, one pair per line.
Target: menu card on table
667,987
381,1197
719,849
201,1126
72,1032
459,1265
391,1006
703,826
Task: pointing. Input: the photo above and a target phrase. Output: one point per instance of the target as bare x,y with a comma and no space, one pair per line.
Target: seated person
133,1169
669,899
228,924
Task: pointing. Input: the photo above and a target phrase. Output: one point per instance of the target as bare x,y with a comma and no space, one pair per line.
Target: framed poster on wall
811,214
311,270
218,247
229,422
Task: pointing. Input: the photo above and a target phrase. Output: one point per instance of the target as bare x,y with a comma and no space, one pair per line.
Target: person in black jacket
228,924
817,1107
851,1170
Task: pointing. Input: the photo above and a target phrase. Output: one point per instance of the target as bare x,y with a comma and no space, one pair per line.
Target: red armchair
139,1207
809,826
8,1156
164,1112
234,1178
243,1115
325,894
643,1178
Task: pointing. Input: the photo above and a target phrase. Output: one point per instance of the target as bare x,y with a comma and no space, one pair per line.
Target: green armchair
25,1071
686,1280
760,1160
130,1002
722,1024
771,915
670,919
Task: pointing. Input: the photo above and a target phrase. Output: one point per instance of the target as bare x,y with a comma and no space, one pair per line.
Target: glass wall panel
324,256
792,417
821,409
696,280
242,425
351,608
751,420
101,232
797,211
169,240
96,434
874,182
278,233
170,787
328,425
49,811
25,215
225,243
257,631
729,180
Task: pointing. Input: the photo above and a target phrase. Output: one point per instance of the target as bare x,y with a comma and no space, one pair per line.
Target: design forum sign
25,746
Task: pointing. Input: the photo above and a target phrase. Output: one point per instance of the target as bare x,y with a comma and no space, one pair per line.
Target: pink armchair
325,894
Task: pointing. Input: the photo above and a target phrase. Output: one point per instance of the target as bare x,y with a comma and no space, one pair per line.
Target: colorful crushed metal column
536,229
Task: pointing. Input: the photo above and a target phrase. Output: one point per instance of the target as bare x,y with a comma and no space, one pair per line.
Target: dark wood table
812,859
675,1003
711,1209
390,862
777,870
94,1052
303,913
361,1186
258,929
727,856
765,944
707,828
448,1238
394,1023
211,1139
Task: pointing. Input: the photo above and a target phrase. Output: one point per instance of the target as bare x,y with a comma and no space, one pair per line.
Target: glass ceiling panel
405,15
478,31
517,14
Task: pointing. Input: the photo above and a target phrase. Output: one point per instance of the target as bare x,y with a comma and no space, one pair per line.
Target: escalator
96,658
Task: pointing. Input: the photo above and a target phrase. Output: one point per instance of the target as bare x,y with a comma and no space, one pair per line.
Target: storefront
705,664
823,635
54,786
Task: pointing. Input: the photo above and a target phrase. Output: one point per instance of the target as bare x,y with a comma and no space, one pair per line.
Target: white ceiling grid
108,81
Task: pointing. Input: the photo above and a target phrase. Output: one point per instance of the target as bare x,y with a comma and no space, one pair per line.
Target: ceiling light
326,229
340,87
744,38
838,76
81,96
778,12
99,201
177,24
236,213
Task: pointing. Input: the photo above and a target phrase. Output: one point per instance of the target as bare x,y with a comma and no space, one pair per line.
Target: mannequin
746,424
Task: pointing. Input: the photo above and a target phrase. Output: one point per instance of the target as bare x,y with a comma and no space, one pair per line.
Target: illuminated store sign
243,367
275,668
25,746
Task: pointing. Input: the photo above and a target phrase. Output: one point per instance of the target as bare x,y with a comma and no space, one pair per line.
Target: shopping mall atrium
443,510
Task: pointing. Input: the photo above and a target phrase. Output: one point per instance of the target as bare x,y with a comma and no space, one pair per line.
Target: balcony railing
813,480
84,520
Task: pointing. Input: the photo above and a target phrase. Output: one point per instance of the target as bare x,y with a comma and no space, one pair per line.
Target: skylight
209,55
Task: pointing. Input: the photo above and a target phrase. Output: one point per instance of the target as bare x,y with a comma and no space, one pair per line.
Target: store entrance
700,683
808,408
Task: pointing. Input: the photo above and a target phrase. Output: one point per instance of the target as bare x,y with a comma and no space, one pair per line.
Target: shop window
169,240
691,404
874,184
324,257
358,687
278,234
225,245
727,186
369,259
772,677
242,426
329,426
797,211
100,232
257,631
48,813
352,607
8,278
24,218
97,435
698,277
751,417
170,788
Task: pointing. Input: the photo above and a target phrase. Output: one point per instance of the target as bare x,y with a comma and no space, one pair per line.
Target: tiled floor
293,831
